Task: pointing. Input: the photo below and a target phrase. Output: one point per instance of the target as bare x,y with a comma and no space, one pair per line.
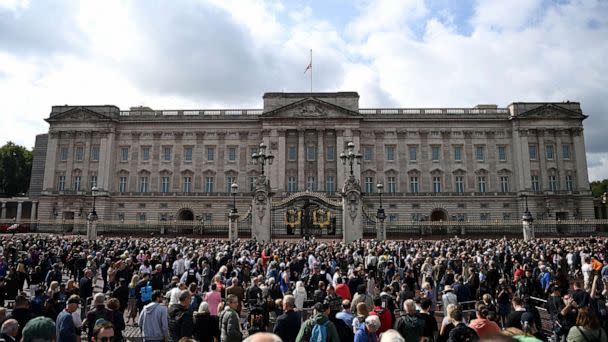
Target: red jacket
343,291
386,320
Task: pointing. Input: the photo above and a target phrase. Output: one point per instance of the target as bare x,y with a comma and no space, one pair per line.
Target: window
143,184
79,153
95,153
292,153
502,153
252,183
390,153
413,152
368,153
252,151
414,185
457,153
209,184
484,216
435,153
331,153
232,153
122,184
93,182
392,218
291,184
532,151
188,154
210,153
187,184
569,183
549,152
311,153
165,184
480,153
535,184
311,185
145,153
63,153
566,151
504,183
436,184
459,181
552,183
77,180
369,185
124,154
167,153
61,183
141,217
330,184
229,181
481,181
392,184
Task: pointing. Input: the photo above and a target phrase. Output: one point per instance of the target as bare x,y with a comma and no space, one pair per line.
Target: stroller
257,321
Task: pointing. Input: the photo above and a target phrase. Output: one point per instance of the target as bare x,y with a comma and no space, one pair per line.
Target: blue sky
227,53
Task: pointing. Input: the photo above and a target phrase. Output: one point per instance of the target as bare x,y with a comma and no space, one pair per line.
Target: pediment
311,108
551,111
78,114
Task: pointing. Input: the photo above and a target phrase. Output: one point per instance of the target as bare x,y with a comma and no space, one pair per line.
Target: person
386,319
66,329
317,326
229,321
300,295
21,312
430,332
288,324
514,318
153,321
482,325
206,327
393,335
360,317
103,332
411,325
117,319
9,330
367,331
180,317
346,315
448,298
98,312
461,331
587,328
39,329
263,337
362,297
132,302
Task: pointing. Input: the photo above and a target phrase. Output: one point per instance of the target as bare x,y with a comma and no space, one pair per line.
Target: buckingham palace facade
436,164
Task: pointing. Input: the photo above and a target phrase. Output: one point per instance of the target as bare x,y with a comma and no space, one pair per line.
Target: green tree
599,187
15,169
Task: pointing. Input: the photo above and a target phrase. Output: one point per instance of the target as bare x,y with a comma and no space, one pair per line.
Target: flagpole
311,70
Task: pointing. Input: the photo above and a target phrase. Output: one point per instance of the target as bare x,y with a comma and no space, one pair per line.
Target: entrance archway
185,215
439,215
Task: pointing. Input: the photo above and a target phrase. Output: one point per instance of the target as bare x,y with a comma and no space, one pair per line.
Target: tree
15,169
599,187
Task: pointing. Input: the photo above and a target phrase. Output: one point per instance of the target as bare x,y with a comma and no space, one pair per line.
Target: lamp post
233,232
92,217
350,156
526,221
380,215
261,158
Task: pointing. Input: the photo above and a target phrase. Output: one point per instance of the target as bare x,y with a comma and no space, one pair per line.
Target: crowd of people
187,289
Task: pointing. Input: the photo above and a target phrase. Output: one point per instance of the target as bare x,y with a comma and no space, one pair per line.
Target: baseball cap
39,328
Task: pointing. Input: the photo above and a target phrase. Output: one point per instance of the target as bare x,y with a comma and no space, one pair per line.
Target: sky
189,54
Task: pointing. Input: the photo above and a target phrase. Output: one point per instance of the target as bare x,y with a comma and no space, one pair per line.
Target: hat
321,307
447,288
74,299
39,328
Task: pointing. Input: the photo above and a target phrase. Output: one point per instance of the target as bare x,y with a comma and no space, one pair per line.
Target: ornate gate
306,214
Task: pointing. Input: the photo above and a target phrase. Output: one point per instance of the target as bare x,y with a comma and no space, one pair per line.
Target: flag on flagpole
309,67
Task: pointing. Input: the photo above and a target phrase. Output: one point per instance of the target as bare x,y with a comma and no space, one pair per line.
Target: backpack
463,334
410,327
593,338
319,332
146,293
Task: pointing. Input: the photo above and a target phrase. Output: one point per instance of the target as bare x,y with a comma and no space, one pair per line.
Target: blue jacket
66,330
545,280
363,336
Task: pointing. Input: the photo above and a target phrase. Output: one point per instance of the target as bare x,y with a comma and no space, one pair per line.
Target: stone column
3,215
280,161
301,159
34,213
260,211
48,182
19,210
339,149
380,230
582,176
106,154
233,231
320,160
352,210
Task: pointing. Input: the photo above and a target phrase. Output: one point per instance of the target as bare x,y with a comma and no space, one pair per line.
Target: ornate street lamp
233,215
350,156
92,217
234,189
526,220
262,158
380,215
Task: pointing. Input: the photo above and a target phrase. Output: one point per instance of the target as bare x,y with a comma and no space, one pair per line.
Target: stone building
438,164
